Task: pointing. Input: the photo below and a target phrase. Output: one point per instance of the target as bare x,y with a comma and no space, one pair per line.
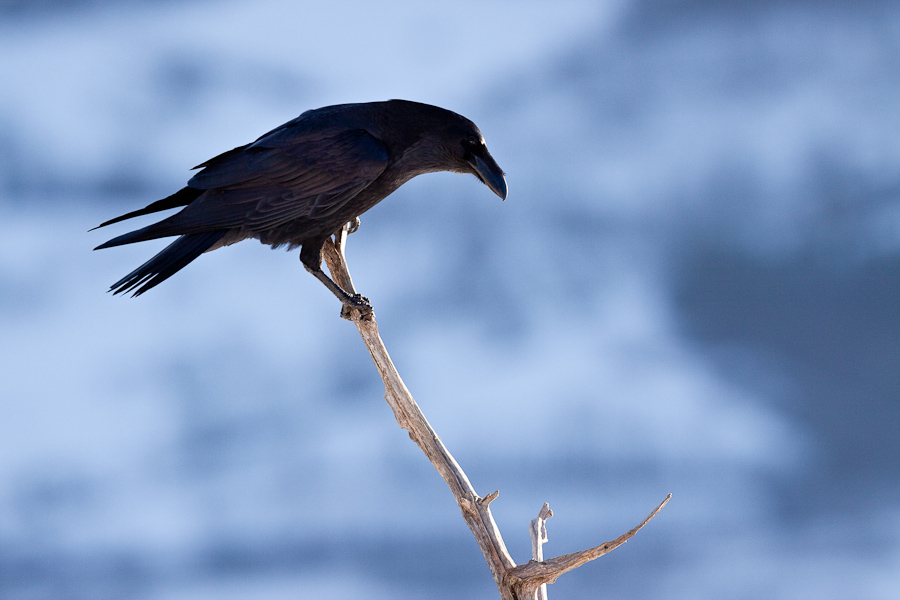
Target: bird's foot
353,225
357,302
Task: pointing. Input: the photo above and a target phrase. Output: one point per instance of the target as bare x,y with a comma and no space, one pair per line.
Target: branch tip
486,501
545,512
655,511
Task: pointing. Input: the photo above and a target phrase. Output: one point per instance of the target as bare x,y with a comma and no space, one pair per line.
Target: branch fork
515,582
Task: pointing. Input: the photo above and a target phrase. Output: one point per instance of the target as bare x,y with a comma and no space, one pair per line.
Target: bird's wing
283,176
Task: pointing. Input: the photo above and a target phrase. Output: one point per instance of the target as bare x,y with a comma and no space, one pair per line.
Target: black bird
301,182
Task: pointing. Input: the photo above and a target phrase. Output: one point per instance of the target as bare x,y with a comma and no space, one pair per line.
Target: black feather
182,197
172,259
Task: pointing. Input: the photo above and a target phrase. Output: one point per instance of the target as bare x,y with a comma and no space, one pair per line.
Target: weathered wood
538,531
514,582
533,574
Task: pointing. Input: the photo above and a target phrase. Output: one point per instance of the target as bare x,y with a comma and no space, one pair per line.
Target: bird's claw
353,225
357,302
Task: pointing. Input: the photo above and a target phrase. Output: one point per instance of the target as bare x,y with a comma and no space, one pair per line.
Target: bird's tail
172,259
182,197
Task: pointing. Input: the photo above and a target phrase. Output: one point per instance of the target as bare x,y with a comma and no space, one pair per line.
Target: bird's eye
473,141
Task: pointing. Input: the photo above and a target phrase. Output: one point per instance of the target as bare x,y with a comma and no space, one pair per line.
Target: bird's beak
490,174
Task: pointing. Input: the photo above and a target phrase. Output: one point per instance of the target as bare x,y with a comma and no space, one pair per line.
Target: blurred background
692,288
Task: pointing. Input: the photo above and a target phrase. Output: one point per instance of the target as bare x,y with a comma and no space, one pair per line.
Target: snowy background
694,287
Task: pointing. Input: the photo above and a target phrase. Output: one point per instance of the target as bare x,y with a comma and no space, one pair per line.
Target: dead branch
538,530
535,574
522,582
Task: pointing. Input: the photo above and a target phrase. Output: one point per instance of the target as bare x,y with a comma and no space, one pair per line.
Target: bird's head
436,139
478,160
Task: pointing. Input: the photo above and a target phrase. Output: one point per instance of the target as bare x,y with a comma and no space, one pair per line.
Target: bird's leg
357,301
312,262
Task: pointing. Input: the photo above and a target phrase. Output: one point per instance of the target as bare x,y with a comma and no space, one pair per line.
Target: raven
303,181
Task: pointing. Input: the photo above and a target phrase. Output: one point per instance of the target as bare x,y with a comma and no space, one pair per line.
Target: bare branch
548,571
514,582
475,510
538,531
